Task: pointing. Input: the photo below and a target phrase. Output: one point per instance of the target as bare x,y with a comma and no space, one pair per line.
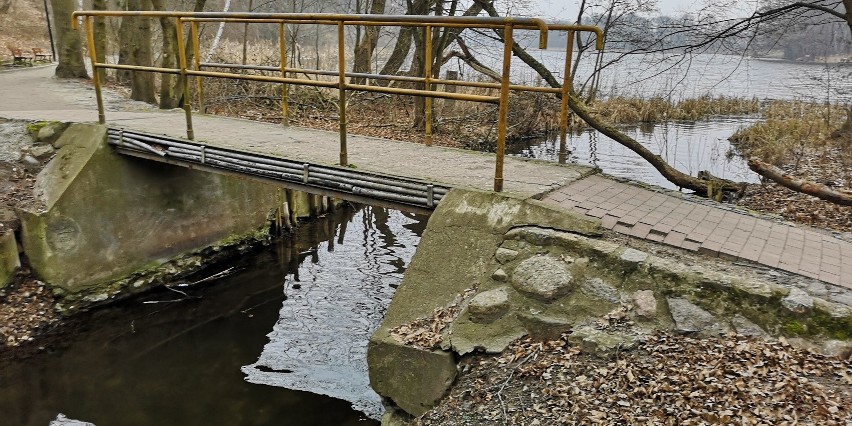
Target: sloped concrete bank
491,269
103,225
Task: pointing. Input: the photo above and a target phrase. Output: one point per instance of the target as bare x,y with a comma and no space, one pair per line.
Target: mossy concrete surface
104,216
9,260
491,268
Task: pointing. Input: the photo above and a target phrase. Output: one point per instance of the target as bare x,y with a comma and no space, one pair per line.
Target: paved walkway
641,213
33,94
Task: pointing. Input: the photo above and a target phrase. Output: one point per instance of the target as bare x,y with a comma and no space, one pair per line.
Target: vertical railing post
285,98
503,110
187,101
96,78
428,85
563,112
199,88
341,82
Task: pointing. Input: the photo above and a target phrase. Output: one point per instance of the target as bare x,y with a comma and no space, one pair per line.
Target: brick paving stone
711,231
608,221
675,238
641,230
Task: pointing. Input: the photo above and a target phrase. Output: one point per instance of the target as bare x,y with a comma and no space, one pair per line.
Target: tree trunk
70,50
364,50
125,50
141,83
100,36
169,93
400,52
820,191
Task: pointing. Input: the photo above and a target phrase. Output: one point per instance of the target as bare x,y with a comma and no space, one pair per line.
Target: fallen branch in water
818,190
216,276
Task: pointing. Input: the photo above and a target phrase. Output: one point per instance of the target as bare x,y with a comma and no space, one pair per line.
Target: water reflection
178,362
688,146
334,304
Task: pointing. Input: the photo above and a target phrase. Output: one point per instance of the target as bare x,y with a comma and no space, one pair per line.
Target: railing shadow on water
338,79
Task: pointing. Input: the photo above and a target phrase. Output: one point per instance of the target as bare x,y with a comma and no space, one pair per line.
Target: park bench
40,55
19,57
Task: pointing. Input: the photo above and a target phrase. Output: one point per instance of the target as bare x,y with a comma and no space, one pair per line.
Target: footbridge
399,174
338,180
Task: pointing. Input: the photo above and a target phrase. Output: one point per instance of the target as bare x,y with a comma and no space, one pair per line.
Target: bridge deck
33,94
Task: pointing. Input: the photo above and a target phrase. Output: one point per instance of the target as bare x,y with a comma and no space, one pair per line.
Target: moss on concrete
9,260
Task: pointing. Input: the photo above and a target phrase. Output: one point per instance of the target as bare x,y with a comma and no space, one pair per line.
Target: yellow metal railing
287,74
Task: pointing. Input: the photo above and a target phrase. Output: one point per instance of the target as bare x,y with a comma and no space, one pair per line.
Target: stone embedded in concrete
500,276
504,255
838,349
596,288
834,310
755,287
50,133
798,302
9,259
466,336
488,305
61,420
843,297
544,327
415,379
645,304
602,343
744,326
41,151
633,256
543,277
689,318
604,247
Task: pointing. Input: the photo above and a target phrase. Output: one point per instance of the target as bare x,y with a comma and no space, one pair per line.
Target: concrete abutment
105,224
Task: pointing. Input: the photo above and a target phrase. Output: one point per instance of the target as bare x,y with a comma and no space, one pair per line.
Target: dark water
688,146
180,363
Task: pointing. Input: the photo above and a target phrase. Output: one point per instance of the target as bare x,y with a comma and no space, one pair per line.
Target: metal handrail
429,91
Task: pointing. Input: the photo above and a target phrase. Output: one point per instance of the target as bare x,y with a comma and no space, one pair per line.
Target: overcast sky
567,9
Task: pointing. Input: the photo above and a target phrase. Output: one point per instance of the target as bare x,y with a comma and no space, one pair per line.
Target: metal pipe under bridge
422,195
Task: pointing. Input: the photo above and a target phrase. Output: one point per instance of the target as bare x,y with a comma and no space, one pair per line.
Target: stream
283,341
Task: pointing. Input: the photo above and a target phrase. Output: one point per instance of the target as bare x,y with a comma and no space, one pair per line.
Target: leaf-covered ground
668,380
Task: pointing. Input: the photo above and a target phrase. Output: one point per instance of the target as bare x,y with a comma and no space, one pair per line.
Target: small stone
544,327
743,326
543,278
505,255
645,303
499,275
838,349
817,289
844,297
604,247
598,289
489,305
798,302
30,163
633,256
602,343
41,151
689,318
61,420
